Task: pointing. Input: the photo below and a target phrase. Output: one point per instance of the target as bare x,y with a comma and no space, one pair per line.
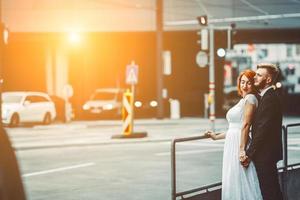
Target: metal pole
228,39
285,154
205,105
132,108
173,169
211,84
159,62
285,162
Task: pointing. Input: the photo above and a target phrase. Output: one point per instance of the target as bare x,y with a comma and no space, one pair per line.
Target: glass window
289,51
30,99
103,96
263,53
298,49
36,99
40,99
11,98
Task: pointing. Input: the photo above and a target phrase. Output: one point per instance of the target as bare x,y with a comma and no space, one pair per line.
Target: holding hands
244,159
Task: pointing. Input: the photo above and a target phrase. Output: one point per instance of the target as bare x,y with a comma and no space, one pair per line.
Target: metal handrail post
285,157
173,160
173,169
285,154
285,161
285,142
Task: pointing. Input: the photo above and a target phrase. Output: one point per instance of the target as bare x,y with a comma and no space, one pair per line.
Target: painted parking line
58,169
188,152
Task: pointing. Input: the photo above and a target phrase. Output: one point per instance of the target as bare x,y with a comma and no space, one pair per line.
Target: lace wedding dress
238,183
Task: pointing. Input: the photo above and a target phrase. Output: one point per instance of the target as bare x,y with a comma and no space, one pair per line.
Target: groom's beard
262,85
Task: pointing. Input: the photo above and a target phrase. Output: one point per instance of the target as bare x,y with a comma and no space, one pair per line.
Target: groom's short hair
272,69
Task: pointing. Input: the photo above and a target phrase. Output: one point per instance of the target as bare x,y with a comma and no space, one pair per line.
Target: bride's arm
220,136
215,136
247,120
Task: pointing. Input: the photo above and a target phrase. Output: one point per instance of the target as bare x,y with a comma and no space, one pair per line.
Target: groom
265,149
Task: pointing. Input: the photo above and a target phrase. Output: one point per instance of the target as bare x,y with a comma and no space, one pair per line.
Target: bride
238,182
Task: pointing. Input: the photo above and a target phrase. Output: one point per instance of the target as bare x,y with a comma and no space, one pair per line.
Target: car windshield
103,96
11,98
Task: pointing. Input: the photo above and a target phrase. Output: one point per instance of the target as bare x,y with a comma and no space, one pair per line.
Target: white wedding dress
238,183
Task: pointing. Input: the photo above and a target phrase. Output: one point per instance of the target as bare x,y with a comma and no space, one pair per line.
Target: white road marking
294,148
293,141
190,152
57,170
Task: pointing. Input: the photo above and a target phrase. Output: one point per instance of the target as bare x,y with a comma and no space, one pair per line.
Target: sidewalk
88,133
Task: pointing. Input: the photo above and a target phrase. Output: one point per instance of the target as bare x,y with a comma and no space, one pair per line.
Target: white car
19,107
104,101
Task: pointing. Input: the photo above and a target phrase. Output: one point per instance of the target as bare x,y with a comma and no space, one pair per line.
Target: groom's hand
245,162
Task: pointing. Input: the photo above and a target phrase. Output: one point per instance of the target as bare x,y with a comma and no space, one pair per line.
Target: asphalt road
81,161
124,171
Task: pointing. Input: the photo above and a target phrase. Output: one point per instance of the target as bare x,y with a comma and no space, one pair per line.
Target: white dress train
238,183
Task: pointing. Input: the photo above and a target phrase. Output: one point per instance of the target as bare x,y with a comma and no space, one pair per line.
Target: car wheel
47,119
15,120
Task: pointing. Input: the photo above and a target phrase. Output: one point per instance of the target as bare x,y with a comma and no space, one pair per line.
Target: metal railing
208,188
286,167
285,142
215,189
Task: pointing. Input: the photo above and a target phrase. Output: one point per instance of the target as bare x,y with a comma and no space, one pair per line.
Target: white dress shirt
265,90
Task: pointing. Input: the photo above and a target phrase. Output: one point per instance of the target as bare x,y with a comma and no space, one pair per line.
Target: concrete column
61,71
56,70
49,65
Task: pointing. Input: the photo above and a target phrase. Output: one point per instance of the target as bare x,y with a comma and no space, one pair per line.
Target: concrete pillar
49,65
56,70
61,71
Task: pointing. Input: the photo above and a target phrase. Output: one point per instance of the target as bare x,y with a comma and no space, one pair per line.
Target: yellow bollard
127,119
127,113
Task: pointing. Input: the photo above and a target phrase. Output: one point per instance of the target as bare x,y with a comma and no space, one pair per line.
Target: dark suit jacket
266,145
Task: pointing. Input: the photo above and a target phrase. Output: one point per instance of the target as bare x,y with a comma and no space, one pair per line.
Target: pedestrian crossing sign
132,74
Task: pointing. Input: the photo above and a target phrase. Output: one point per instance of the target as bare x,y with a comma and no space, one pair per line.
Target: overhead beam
267,36
234,19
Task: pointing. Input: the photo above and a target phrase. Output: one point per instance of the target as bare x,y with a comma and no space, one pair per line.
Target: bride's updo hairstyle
250,75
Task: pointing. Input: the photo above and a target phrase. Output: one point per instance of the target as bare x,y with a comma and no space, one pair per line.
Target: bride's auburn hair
250,75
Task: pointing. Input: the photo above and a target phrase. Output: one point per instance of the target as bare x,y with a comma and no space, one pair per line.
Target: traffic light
202,20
